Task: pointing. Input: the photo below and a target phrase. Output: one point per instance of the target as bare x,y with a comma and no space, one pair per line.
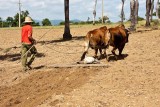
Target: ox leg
96,51
104,54
121,49
101,55
113,52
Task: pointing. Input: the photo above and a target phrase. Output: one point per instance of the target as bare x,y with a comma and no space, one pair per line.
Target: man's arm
33,41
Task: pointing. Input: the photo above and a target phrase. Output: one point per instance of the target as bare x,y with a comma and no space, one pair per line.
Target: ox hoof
99,58
96,57
116,57
107,58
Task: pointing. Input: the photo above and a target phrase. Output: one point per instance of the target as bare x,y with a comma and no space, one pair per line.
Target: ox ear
128,30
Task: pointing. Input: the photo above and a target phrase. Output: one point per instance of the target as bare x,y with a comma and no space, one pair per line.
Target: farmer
27,44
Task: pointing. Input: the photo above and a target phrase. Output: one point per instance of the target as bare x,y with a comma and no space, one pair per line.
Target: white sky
79,9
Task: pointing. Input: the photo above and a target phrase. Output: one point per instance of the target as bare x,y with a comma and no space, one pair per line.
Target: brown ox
118,38
96,39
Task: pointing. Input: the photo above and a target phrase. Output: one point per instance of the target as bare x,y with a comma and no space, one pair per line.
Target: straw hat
28,20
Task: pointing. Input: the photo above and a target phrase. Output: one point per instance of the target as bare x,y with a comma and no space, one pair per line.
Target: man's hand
34,42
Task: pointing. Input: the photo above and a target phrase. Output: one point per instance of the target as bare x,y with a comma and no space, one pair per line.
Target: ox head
107,37
127,34
128,31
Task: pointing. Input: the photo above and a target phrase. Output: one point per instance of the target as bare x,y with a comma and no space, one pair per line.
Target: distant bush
155,22
84,22
46,22
61,23
139,18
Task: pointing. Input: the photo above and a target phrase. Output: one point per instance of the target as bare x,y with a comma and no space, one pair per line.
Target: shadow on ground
61,40
17,56
111,57
39,67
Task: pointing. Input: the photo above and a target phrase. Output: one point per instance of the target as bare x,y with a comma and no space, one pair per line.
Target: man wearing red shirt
27,44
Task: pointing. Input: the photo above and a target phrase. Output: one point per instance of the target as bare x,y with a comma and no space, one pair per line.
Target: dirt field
130,82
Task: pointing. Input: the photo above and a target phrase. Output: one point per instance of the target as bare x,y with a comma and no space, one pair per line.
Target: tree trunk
157,8
136,11
122,11
94,12
66,35
148,9
152,8
102,11
132,15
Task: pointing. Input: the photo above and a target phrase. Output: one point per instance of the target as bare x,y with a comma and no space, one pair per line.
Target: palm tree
148,9
132,15
152,8
122,11
102,10
66,35
136,11
157,9
94,12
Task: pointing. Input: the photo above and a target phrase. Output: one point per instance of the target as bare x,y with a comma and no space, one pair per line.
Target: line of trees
14,21
88,21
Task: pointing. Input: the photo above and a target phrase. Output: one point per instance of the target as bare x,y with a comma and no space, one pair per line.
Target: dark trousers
24,54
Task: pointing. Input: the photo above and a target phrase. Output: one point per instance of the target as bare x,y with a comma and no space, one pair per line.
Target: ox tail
86,47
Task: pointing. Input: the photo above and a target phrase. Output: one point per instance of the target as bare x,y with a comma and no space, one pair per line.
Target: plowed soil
131,81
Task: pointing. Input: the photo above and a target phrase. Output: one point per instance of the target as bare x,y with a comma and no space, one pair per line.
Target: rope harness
63,52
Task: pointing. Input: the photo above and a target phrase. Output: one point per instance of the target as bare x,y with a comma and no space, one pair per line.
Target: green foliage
35,23
62,23
9,21
85,22
105,19
46,22
154,14
0,20
16,18
155,22
2,23
140,18
14,21
159,12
